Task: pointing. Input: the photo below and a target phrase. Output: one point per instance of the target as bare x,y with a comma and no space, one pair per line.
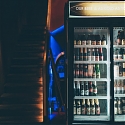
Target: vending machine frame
84,20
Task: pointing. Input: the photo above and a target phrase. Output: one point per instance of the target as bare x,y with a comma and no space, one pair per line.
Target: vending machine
95,59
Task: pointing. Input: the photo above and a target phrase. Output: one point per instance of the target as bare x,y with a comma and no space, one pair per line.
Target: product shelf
91,97
90,46
91,118
90,79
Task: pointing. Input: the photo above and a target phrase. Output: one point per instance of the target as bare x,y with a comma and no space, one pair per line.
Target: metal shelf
120,118
119,46
91,97
91,62
119,95
120,77
90,46
90,79
121,60
91,118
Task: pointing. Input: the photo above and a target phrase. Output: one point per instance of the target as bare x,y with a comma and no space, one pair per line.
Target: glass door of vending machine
119,73
91,74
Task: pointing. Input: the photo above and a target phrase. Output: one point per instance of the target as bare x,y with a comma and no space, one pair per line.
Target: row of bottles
86,71
119,69
119,106
119,86
119,53
82,39
86,107
85,88
87,54
120,38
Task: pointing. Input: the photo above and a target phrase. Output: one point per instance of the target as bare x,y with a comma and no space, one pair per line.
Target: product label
82,92
97,111
88,111
103,42
92,110
83,42
119,110
79,42
88,42
89,58
74,110
83,111
78,110
86,92
96,58
118,90
99,42
74,42
92,58
93,42
115,111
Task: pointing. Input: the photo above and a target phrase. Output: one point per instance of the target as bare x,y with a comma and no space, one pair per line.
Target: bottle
123,105
74,67
74,107
93,41
115,54
75,83
119,106
89,55
116,70
96,55
103,41
78,107
123,54
74,40
97,107
115,86
94,72
83,107
119,54
120,69
123,65
121,86
87,107
77,88
88,42
98,73
86,73
100,54
76,54
83,39
77,70
98,40
81,71
85,54
118,86
78,41
94,88
123,39
90,88
118,41
92,107
81,54
93,55
90,70
86,89
115,106
82,88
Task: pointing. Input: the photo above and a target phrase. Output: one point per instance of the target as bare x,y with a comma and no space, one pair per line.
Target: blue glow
61,75
51,116
56,49
58,30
